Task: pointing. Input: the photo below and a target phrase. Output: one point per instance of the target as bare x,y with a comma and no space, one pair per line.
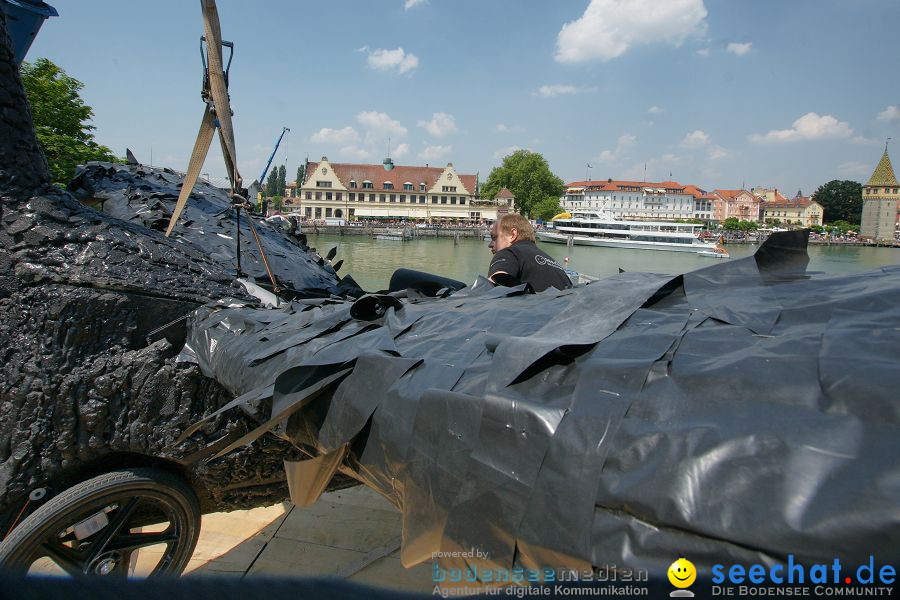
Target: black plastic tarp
742,412
145,195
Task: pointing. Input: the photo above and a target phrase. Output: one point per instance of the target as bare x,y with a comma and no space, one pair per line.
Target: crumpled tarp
146,195
739,413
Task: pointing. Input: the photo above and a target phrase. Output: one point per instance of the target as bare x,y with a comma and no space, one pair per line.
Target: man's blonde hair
511,221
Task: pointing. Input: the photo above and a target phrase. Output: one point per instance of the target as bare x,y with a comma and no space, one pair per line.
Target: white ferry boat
595,229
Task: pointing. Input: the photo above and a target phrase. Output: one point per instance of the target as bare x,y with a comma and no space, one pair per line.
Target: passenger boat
595,229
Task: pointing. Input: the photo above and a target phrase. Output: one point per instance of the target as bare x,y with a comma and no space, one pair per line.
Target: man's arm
502,269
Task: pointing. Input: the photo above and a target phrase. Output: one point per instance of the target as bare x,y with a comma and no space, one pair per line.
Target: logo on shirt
543,260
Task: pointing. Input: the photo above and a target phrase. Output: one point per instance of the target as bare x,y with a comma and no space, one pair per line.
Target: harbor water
372,261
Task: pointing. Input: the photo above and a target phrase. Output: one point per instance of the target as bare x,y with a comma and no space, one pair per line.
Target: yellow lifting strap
217,112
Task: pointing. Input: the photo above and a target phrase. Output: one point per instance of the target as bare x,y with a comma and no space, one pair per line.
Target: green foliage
301,177
547,208
734,224
277,203
281,180
840,200
272,183
527,175
841,226
61,119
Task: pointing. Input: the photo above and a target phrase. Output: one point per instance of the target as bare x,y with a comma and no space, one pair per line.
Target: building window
318,212
421,199
308,211
443,199
339,196
371,197
327,212
408,186
434,199
402,198
352,212
388,185
309,195
328,195
382,197
462,200
353,183
352,196
393,197
323,184
367,185
422,187
452,199
448,188
318,195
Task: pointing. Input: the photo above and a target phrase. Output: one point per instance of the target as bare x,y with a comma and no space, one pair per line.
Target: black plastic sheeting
743,412
147,196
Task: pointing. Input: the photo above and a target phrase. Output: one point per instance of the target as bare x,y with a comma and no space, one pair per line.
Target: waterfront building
881,203
768,194
634,200
505,201
799,211
363,191
737,204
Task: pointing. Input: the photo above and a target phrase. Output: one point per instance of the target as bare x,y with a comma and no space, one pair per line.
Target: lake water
372,261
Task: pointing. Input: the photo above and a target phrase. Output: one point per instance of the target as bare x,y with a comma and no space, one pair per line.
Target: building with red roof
349,191
737,204
638,200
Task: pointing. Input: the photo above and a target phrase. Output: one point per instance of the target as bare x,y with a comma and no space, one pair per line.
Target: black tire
104,543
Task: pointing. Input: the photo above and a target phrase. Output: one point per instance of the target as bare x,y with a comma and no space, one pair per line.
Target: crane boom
272,156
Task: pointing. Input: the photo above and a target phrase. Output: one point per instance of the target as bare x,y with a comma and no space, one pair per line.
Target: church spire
884,172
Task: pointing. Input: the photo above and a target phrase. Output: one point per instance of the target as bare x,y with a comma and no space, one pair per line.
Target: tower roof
884,172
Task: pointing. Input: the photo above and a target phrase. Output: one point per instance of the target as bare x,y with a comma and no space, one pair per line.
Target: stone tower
881,202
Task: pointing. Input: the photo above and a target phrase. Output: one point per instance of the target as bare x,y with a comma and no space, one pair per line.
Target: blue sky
719,93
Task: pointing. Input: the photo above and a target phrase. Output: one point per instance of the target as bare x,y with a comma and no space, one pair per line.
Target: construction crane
256,186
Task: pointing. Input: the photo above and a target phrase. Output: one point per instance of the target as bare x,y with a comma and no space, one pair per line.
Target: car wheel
101,526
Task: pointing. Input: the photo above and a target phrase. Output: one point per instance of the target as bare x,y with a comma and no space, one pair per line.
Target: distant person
517,259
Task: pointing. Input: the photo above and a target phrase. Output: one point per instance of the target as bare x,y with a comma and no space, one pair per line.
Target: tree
277,203
282,174
61,119
301,177
547,208
731,224
272,183
840,200
527,175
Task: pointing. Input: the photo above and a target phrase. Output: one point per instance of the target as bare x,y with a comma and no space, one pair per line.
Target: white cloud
326,135
387,60
504,152
401,150
380,124
441,124
560,89
355,152
608,28
891,113
435,152
654,110
501,128
408,4
695,139
808,127
704,52
853,169
625,141
658,169
739,49
717,152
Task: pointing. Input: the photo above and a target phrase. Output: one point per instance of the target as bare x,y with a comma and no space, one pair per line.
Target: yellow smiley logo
682,573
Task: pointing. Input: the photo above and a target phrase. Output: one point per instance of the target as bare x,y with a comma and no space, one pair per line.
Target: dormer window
408,186
422,186
353,183
367,185
388,185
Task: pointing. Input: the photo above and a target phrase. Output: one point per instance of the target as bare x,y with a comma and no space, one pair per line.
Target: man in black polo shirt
518,260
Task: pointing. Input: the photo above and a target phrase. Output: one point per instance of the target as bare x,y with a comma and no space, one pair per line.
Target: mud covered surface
738,413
